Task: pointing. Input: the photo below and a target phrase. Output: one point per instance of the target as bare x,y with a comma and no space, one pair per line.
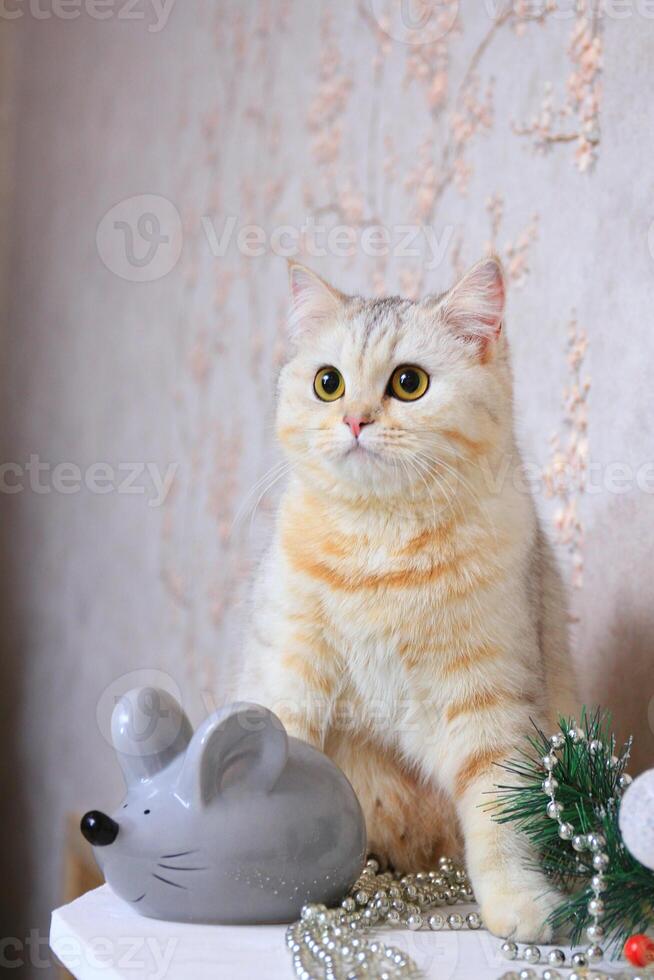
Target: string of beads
332,944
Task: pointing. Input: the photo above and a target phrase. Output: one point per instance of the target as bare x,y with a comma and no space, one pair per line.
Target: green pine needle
590,792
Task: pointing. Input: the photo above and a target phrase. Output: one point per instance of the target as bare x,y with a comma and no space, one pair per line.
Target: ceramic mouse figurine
237,823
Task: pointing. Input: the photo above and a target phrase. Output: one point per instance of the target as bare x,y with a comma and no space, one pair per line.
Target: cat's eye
408,383
328,384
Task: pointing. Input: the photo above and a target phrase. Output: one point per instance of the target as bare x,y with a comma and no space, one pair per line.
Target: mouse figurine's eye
328,384
408,383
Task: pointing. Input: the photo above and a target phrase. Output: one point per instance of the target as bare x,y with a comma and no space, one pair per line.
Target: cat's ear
313,301
474,307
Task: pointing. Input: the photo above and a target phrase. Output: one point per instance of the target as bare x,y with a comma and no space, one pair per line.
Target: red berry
639,950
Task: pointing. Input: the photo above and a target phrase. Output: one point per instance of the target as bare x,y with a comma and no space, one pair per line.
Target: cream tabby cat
408,618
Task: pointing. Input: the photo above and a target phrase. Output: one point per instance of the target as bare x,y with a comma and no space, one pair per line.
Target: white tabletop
99,937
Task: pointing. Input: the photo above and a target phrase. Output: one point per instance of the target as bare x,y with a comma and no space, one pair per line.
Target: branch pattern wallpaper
363,166
327,129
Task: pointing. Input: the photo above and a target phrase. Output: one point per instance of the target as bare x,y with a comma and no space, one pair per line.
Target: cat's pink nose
356,423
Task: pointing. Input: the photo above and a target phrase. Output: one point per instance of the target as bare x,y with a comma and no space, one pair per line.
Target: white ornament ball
637,819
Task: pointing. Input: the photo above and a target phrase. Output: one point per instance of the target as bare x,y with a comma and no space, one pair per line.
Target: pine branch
589,789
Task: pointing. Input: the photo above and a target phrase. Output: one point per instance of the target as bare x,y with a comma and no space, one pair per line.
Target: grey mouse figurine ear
149,730
242,747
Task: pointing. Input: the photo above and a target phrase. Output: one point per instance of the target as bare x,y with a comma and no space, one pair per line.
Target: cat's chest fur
396,598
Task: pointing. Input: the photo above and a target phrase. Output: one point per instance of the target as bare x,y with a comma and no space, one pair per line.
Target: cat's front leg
292,670
515,898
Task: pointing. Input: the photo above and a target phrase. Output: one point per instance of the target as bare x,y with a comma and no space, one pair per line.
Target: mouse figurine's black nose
98,828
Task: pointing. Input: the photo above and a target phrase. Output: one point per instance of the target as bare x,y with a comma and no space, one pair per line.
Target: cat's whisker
288,467
458,500
276,465
440,482
420,466
279,475
440,462
279,465
439,479
475,496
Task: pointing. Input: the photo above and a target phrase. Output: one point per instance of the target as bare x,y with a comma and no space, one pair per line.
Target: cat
409,618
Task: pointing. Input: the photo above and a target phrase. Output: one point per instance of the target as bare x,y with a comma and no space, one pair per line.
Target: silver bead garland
333,944
553,974
593,843
579,842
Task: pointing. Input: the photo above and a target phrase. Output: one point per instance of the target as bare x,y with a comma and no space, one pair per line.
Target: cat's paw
520,913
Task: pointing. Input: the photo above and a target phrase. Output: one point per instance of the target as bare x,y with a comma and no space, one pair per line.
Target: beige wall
273,112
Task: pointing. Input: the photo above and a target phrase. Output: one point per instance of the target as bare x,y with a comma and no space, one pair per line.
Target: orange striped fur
407,618
476,765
